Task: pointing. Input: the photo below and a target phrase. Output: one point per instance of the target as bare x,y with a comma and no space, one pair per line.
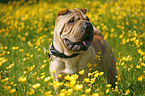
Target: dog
76,42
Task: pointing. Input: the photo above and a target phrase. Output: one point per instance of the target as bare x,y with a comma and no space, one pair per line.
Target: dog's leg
55,67
107,61
109,65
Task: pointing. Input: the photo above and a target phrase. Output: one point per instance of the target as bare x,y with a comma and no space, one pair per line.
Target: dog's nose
87,27
87,30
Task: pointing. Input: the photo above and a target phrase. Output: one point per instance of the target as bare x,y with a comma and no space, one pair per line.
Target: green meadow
26,31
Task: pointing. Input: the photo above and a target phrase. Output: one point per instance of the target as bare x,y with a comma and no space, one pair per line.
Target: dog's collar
55,52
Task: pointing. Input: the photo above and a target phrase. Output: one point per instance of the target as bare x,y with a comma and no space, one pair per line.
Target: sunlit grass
26,30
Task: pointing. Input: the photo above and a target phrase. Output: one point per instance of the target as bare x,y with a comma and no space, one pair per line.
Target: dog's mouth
79,46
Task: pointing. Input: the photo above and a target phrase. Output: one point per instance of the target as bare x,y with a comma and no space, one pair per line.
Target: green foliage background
26,30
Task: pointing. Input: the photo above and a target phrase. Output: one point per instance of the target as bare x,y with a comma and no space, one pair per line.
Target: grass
26,29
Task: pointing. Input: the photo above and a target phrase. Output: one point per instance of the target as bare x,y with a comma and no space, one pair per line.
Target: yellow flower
15,48
47,93
81,72
6,79
90,74
38,49
26,34
36,85
92,80
95,94
107,90
86,80
30,92
140,78
122,63
42,66
69,91
42,76
31,55
101,73
120,36
44,61
27,54
99,52
42,73
137,66
56,85
62,94
66,84
34,73
127,92
22,79
78,87
24,59
142,64
10,66
47,79
53,71
108,85
1,63
96,75
112,30
12,90
74,76
8,52
7,87
98,56
89,65
90,69
94,65
67,77
72,82
88,90
59,75
63,90
124,41
31,68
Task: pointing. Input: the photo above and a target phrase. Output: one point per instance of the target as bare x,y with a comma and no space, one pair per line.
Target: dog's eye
71,20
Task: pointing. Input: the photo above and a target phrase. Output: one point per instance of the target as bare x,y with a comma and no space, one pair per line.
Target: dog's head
74,30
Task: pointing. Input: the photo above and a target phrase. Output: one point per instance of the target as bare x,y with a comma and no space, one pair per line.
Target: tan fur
73,65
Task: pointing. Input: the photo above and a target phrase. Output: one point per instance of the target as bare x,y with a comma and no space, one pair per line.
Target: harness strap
55,52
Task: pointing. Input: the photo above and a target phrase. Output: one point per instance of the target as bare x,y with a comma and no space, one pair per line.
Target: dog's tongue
87,42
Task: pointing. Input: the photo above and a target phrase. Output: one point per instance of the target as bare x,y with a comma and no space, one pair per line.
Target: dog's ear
63,12
84,10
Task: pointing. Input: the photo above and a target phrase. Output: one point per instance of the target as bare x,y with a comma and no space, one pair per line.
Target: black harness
55,52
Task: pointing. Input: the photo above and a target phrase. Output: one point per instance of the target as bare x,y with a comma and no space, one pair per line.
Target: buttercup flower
81,72
108,85
30,92
36,85
47,93
78,87
47,79
22,79
127,92
88,90
140,78
12,90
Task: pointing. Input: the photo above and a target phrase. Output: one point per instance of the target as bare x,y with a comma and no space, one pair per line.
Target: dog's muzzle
84,41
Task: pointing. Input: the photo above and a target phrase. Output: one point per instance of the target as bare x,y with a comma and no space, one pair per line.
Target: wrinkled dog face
76,30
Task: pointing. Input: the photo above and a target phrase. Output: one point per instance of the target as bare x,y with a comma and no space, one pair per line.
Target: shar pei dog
76,42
